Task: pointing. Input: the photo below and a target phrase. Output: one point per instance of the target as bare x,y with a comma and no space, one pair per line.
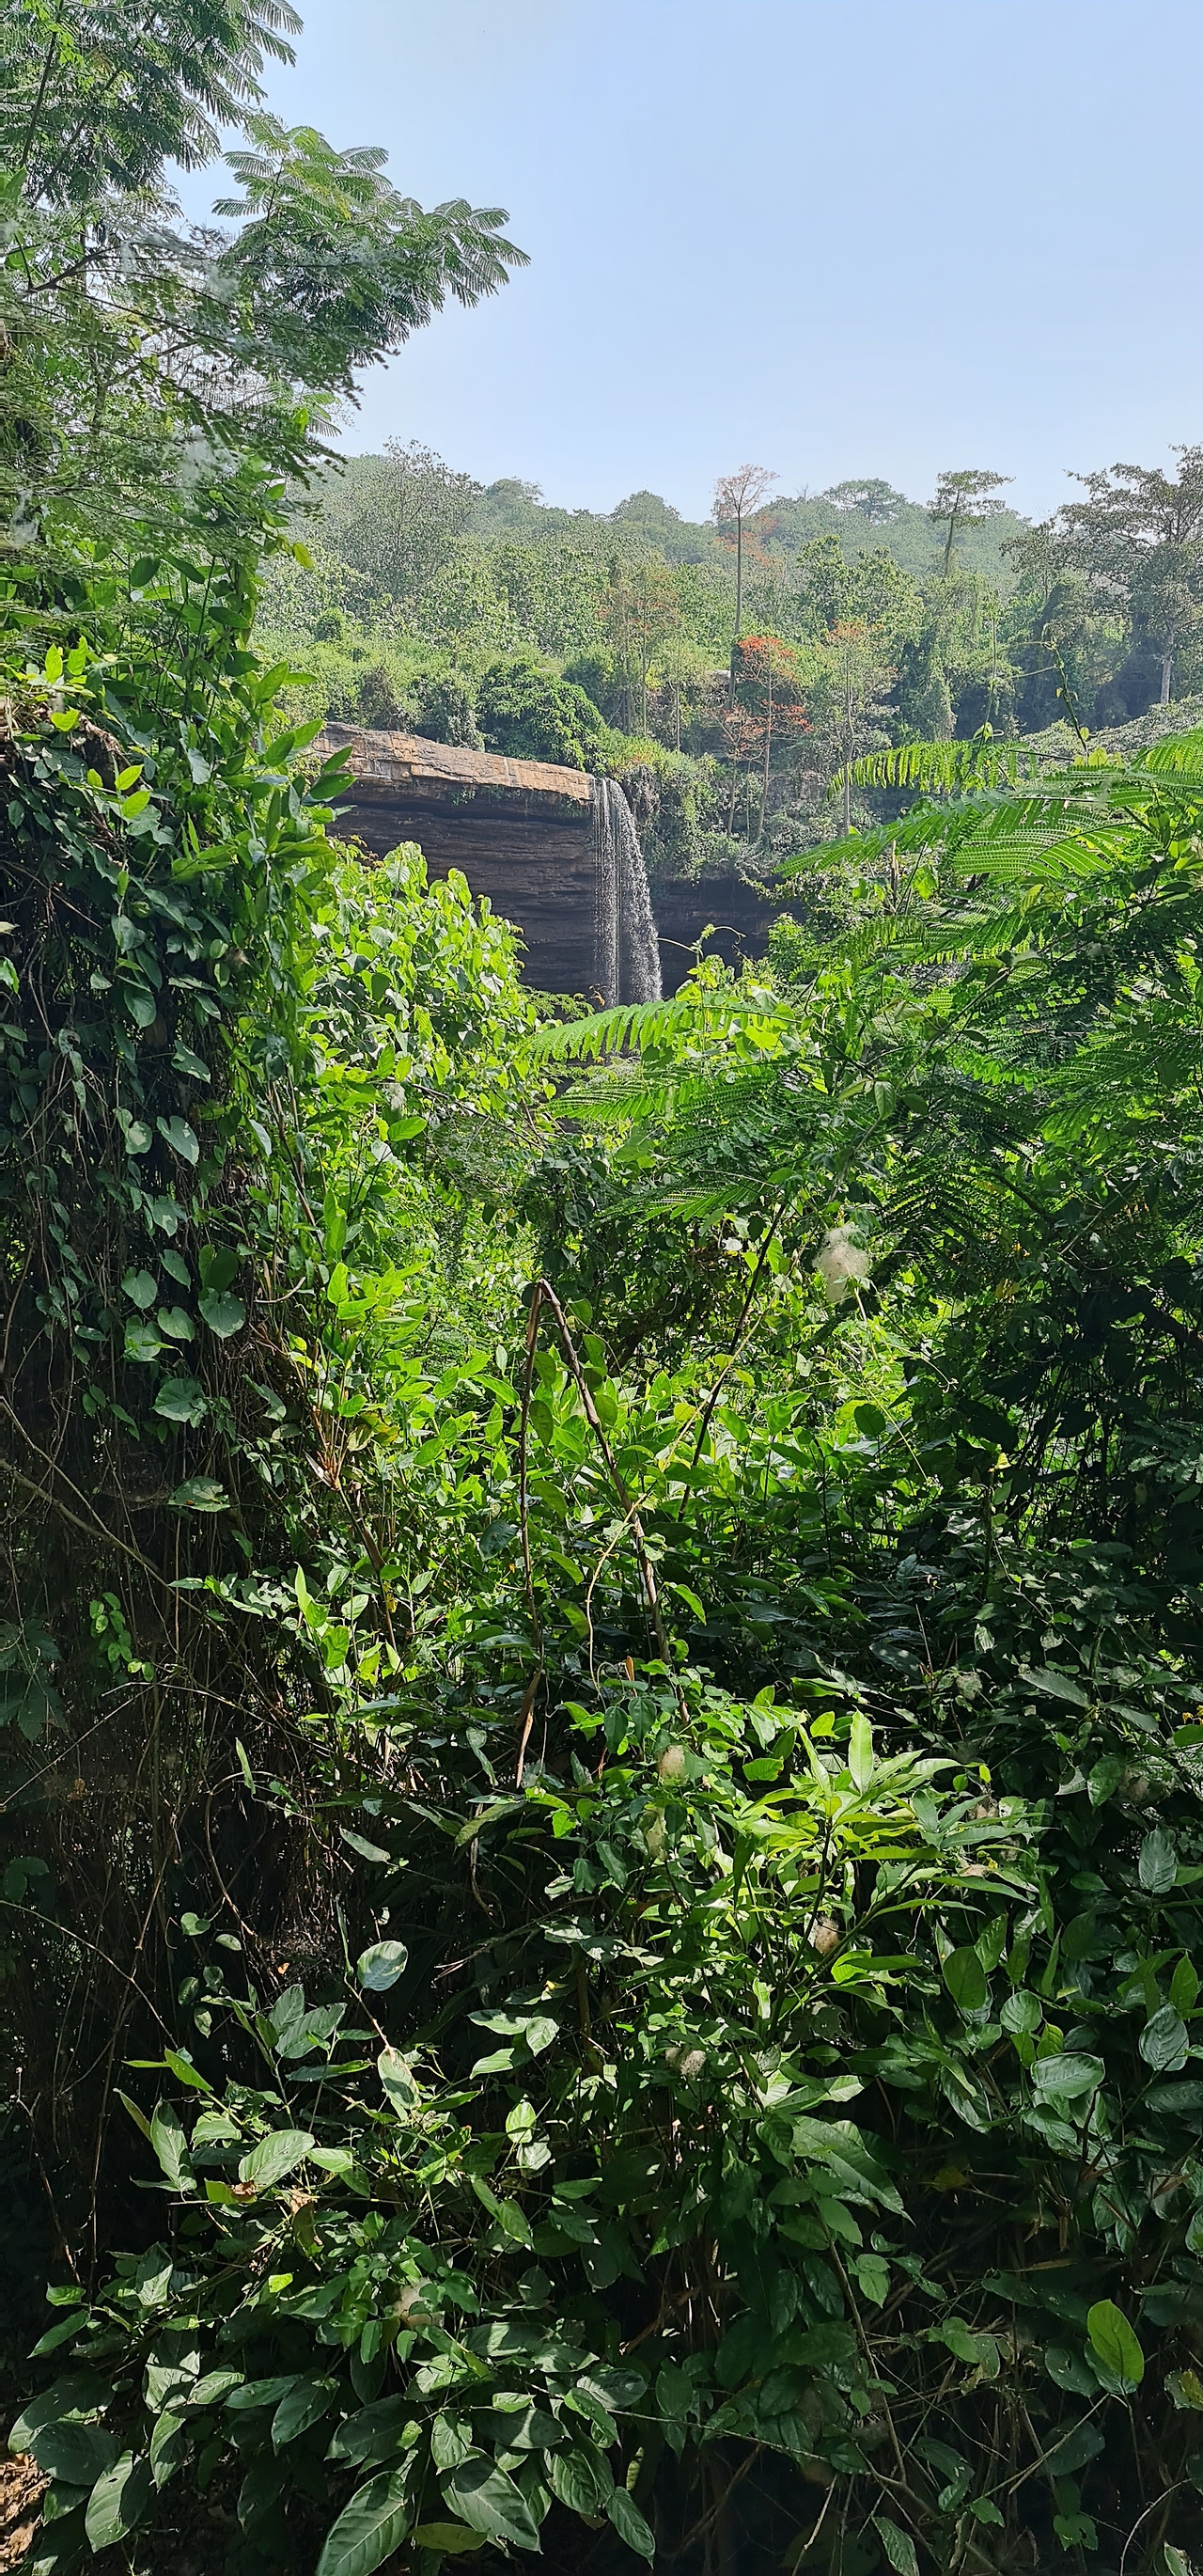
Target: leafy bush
526,712
447,711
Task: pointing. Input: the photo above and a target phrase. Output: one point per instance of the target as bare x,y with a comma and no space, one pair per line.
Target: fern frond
1177,755
941,768
634,1027
1039,857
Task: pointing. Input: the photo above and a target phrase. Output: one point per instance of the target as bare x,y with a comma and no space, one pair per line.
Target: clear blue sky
833,236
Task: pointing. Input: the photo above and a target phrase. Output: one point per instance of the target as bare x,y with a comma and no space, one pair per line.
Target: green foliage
598,1685
85,113
526,712
156,379
437,2308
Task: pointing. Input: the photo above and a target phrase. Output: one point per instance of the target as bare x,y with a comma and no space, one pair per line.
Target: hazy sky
833,236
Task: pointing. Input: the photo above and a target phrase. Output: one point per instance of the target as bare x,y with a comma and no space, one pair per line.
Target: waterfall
625,947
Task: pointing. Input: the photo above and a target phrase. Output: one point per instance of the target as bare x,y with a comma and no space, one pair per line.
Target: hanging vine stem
729,1363
543,1294
526,1714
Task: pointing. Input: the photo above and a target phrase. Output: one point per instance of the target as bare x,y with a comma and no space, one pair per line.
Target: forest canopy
600,1702
902,622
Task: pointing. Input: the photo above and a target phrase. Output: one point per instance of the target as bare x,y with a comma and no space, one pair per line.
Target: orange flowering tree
767,706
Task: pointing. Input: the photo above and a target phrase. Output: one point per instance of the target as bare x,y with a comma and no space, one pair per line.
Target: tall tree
769,709
963,496
869,497
399,519
848,703
735,497
1138,536
640,613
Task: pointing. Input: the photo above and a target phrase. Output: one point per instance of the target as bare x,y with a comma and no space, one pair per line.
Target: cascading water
626,948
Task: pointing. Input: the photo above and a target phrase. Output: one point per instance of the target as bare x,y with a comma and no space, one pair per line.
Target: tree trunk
768,746
739,602
1167,672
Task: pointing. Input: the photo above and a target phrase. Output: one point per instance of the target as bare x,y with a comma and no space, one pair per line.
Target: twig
544,1294
1143,2517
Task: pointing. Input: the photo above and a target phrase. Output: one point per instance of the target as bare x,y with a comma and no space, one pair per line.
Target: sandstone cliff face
521,832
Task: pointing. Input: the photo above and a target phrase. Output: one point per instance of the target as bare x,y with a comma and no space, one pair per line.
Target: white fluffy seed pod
671,1765
840,1263
824,1935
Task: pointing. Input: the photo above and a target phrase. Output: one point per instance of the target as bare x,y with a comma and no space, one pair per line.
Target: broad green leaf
218,1266
1105,1778
1065,2076
223,1314
142,1342
252,2393
1023,2012
379,1968
1070,2370
897,2544
369,2529
1184,1986
1116,2345
539,2033
581,2478
484,2497
1164,2041
78,2454
78,2394
450,2442
397,2077
629,2523
140,1288
180,1136
185,1061
1055,1685
200,1494
275,2157
215,2386
171,2443
966,1980
372,2434
979,2350
176,1324
182,1399
171,2146
873,2275
366,1850
118,2501
1075,2530
838,2145
447,2539
1158,1863
860,1751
